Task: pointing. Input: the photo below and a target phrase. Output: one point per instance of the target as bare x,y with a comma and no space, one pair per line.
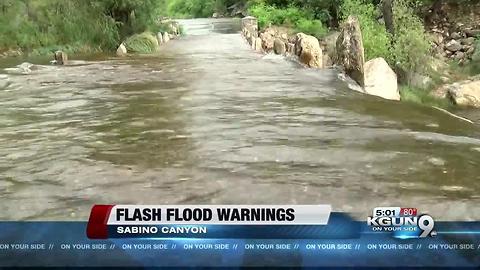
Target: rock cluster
456,44
277,40
457,40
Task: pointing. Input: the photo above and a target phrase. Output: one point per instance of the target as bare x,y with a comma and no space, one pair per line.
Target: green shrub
410,44
414,95
195,8
142,43
291,16
76,25
311,27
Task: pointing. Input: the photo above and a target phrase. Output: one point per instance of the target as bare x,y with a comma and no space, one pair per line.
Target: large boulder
466,93
349,50
381,80
121,50
453,46
268,41
60,58
307,48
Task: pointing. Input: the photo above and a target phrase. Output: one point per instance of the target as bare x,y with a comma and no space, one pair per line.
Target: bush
410,44
311,27
142,43
77,25
414,95
407,49
291,16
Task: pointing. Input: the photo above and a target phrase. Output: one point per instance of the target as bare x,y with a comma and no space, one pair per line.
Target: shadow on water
208,120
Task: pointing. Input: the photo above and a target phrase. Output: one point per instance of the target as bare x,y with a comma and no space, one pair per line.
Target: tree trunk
387,9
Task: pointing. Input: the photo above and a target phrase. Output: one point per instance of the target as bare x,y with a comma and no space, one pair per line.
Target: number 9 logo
425,223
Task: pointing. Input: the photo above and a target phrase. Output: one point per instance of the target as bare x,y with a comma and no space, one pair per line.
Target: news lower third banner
241,235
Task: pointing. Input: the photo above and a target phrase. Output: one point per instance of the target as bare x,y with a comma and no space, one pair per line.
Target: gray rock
459,55
327,61
468,41
453,46
470,50
349,50
279,46
455,35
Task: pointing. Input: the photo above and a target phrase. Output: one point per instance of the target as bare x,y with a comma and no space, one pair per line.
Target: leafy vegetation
199,8
291,16
78,25
421,96
142,43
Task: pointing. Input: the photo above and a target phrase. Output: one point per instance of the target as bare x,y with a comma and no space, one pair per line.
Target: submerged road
207,120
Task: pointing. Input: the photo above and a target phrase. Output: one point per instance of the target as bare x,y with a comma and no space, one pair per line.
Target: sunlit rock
121,50
307,48
61,58
268,41
466,93
381,80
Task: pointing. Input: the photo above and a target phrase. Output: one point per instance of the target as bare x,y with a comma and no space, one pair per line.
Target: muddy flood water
208,120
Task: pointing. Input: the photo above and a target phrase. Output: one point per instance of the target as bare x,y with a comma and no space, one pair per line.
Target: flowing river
209,121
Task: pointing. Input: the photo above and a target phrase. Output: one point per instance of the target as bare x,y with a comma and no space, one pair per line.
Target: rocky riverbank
344,50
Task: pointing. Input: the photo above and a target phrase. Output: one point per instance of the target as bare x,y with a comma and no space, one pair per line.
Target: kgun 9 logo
424,223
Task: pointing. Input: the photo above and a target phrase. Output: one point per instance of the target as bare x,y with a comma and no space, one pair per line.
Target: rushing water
208,120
